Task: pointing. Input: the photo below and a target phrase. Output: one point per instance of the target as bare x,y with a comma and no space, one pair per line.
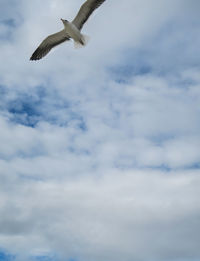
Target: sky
100,146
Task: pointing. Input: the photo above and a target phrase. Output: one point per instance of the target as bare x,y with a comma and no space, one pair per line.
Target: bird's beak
61,19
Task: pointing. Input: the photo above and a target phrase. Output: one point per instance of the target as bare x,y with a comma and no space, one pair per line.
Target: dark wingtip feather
34,58
37,55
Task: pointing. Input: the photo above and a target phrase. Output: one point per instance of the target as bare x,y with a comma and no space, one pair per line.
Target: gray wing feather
48,43
85,11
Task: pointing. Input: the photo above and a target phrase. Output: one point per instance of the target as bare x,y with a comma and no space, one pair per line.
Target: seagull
72,30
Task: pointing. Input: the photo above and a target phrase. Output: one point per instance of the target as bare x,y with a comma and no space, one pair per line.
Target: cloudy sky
100,146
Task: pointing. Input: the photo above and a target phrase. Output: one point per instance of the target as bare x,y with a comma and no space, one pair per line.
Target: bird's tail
84,40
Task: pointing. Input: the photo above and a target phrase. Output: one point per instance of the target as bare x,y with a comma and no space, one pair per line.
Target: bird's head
64,21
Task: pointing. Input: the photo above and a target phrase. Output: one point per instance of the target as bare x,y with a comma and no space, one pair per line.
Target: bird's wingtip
34,58
31,59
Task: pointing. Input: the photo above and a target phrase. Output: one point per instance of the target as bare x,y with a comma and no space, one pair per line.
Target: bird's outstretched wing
85,11
48,43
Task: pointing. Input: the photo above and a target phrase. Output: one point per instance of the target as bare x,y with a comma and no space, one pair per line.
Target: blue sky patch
6,257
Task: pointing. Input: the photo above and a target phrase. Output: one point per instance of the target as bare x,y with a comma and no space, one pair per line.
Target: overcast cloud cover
100,147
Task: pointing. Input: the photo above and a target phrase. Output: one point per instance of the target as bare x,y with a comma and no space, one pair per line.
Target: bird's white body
73,31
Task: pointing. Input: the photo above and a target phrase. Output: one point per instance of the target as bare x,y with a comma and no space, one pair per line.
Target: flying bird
72,30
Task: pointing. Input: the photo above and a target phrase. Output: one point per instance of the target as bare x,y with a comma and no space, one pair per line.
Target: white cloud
111,217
